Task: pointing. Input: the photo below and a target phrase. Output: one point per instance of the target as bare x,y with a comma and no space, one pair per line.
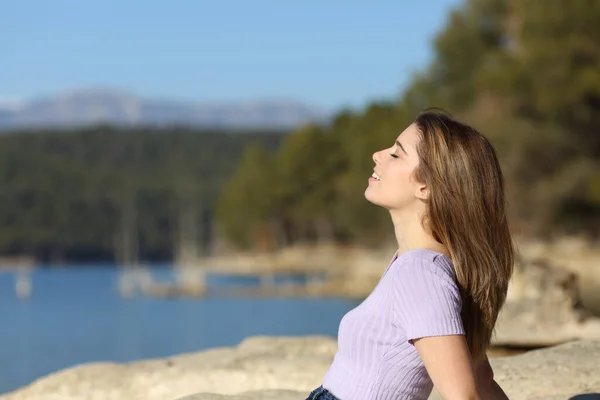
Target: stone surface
257,363
532,324
559,372
544,308
288,368
577,254
252,395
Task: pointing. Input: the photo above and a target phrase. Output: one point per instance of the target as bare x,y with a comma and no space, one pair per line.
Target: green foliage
65,193
248,197
525,73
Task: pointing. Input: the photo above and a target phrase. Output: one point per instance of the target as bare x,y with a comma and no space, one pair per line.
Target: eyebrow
401,147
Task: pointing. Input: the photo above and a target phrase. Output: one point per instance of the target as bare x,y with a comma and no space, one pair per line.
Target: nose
376,156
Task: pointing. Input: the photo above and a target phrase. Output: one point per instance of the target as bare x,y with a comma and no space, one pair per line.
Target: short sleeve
426,299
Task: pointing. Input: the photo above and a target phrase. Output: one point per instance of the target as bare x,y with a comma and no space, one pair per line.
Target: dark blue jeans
321,393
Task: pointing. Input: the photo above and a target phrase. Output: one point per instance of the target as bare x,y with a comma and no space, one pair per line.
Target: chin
371,198
378,201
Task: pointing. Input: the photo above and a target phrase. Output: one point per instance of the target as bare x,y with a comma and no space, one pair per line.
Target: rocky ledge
282,368
544,308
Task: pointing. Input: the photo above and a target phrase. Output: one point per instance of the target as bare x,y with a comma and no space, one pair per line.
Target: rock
562,371
576,254
539,278
253,395
534,324
543,308
288,368
559,373
589,289
297,364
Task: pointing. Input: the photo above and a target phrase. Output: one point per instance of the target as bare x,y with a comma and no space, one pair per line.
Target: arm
449,366
487,386
428,306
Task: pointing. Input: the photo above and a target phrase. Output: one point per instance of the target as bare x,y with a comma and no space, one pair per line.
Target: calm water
77,315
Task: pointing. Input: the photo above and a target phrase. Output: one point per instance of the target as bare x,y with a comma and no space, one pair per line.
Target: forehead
409,138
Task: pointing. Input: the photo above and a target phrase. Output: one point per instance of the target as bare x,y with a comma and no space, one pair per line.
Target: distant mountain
88,107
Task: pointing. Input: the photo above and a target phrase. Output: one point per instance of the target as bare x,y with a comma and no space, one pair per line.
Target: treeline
109,194
525,73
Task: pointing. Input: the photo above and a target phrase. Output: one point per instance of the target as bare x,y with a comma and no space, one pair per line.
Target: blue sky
331,54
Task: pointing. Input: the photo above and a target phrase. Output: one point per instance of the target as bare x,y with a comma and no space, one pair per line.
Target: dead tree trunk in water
187,250
127,246
187,237
128,250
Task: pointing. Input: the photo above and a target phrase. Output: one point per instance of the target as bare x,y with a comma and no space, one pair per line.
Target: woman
430,318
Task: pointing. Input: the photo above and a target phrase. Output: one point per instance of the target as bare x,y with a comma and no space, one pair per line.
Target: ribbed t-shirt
417,296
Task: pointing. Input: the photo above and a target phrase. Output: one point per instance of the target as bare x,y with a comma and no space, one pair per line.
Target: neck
410,233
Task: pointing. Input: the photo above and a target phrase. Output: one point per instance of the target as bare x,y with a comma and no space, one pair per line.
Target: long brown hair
466,213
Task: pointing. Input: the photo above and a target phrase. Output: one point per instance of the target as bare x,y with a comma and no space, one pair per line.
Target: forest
114,194
524,73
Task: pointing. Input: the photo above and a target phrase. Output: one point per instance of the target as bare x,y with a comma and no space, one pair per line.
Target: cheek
399,185
400,176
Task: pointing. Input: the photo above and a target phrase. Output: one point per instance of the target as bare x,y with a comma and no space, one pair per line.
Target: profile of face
392,185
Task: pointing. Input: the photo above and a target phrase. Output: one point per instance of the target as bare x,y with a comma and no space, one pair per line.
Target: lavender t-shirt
416,297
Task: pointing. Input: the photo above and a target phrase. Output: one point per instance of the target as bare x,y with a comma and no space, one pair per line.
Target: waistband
321,393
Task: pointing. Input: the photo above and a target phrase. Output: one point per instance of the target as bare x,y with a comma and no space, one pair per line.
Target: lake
76,315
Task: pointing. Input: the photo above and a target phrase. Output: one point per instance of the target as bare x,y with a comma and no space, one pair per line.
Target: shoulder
425,262
426,296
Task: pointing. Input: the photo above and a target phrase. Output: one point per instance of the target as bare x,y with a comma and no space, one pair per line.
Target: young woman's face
391,185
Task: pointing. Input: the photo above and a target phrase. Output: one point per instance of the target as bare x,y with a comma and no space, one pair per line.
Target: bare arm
486,385
449,366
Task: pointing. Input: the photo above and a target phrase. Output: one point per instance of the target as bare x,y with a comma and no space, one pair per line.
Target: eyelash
394,156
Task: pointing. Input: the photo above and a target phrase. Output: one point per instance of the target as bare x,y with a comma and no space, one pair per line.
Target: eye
393,155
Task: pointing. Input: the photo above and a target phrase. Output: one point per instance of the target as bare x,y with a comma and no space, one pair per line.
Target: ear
422,191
